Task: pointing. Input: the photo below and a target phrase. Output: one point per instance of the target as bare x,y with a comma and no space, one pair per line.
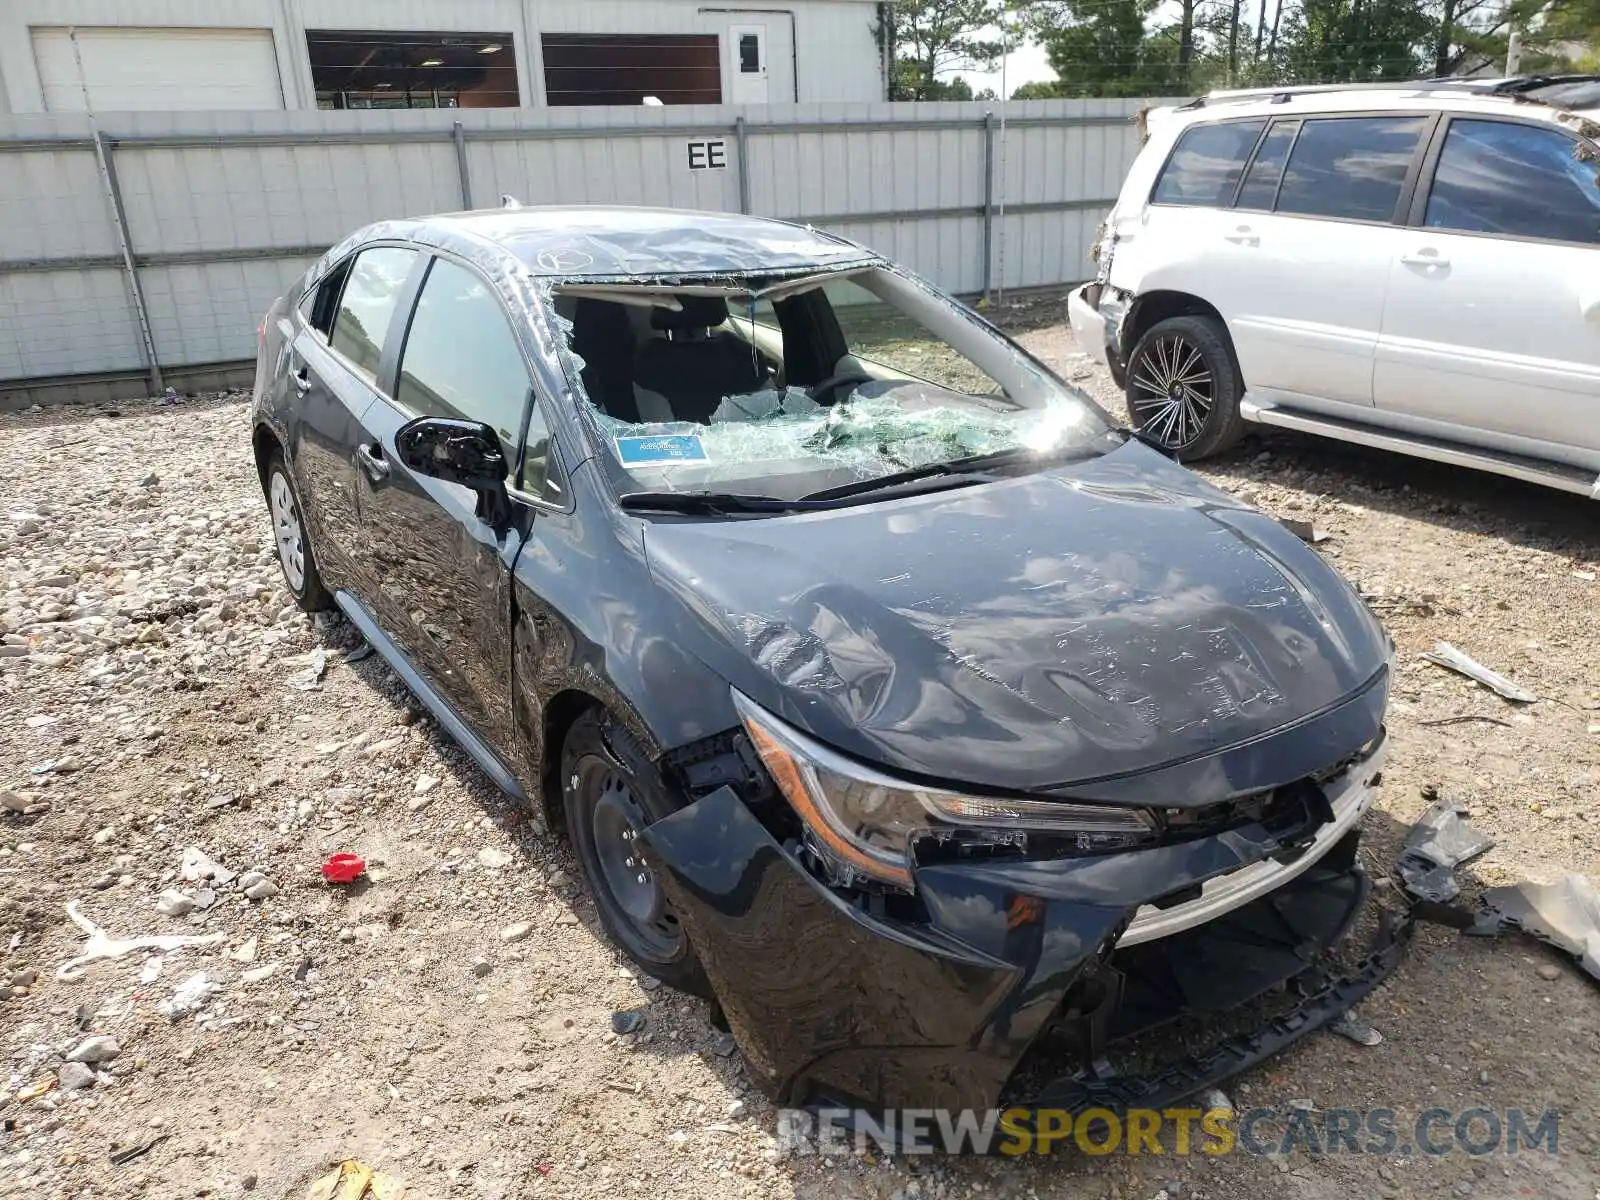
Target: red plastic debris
344,868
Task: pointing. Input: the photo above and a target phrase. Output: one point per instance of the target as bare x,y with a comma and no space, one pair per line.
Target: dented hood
1091,621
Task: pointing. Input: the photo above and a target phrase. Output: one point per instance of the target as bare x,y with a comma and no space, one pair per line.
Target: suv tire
611,791
1184,387
293,540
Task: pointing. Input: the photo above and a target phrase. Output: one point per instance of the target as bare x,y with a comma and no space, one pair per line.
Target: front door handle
301,378
1243,236
373,462
1426,257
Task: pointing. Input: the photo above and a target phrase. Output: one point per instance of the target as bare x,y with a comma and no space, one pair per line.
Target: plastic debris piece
355,1180
1440,841
1447,656
102,945
344,868
1357,1030
1565,915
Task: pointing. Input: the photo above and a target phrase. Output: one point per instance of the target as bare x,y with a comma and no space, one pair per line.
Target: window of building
1205,167
1500,177
595,68
366,69
367,304
750,54
1353,168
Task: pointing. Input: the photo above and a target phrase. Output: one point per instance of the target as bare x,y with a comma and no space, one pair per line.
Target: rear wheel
611,792
1184,387
295,558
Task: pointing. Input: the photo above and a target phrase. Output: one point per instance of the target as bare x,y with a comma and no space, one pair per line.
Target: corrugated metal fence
149,244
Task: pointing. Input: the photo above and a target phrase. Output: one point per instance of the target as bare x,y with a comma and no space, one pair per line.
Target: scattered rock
515,933
1548,971
95,1050
628,1021
494,858
173,903
73,1076
425,784
481,967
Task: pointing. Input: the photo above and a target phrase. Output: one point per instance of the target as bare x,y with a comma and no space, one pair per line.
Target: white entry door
747,64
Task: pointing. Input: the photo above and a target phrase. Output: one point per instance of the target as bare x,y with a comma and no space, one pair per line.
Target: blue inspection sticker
656,449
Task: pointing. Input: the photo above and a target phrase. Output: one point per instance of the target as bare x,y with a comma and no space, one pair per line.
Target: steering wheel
834,382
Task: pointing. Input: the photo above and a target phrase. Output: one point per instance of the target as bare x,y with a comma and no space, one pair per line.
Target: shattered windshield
782,388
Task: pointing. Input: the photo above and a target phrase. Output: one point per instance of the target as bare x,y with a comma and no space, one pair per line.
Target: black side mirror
457,451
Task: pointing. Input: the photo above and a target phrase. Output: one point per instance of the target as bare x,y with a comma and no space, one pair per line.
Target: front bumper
832,999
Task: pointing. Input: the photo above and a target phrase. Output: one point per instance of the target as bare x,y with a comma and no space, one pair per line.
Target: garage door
158,70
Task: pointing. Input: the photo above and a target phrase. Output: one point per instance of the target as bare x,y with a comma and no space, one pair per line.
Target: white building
164,55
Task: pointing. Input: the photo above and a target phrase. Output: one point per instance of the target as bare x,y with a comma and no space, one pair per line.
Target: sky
1023,65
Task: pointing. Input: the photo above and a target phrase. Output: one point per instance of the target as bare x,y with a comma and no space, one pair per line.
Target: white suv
1410,266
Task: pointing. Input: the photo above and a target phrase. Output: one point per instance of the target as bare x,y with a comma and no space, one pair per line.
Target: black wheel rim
633,894
1171,391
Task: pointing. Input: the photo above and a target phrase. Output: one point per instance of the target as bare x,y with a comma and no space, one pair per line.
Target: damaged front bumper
836,1000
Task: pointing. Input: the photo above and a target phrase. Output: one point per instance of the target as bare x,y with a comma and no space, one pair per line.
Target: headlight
866,821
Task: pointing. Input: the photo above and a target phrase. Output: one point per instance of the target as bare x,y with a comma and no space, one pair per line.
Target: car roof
585,241
1540,97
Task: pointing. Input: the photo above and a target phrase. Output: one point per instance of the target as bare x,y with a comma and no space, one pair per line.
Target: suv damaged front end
877,943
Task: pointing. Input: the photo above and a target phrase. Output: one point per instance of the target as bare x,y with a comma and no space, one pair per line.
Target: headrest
698,312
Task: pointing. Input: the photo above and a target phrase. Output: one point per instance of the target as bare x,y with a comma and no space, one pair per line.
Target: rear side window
368,301
1498,177
1205,167
1350,167
1260,188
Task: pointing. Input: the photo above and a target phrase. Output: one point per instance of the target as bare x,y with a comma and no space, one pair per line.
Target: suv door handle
1426,257
301,378
373,462
1243,236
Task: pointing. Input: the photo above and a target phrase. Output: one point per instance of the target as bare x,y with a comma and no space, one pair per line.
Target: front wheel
611,792
1184,387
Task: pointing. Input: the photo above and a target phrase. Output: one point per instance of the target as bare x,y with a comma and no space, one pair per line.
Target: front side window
783,388
1353,168
461,358
1205,167
1516,180
370,295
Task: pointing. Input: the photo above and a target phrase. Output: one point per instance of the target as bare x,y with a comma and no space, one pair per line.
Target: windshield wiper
960,472
705,502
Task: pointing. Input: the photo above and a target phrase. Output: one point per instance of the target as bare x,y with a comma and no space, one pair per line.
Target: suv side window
461,359
1353,168
1260,190
1206,164
367,303
1516,180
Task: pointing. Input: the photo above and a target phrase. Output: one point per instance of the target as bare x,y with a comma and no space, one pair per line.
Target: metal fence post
988,204
108,173
741,143
459,136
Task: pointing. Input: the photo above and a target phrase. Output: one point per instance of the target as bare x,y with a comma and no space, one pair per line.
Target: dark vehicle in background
890,696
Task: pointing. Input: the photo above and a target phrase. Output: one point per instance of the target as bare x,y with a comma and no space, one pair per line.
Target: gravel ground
450,1021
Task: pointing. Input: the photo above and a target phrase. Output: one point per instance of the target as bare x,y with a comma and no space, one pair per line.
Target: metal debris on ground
360,651
122,1154
1446,655
1464,718
1440,841
101,945
1565,915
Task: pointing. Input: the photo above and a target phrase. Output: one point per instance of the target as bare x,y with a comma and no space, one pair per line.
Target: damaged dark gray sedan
891,696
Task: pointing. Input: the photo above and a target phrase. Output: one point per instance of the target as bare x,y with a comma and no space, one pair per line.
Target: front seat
603,337
684,374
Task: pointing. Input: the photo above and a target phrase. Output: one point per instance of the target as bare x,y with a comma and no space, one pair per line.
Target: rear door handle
301,377
373,462
1425,258
1243,236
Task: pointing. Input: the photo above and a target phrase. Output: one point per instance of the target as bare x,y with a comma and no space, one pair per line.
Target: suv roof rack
1568,91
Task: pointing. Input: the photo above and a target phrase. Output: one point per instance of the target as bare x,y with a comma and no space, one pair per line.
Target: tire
295,557
610,792
1183,387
